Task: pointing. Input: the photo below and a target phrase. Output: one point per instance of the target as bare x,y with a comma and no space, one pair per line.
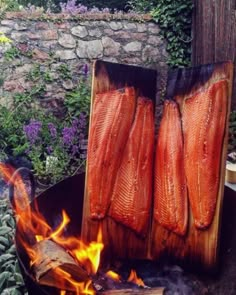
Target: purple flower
81,136
75,149
94,10
82,8
72,8
52,130
106,10
85,70
32,130
49,150
75,123
68,135
82,121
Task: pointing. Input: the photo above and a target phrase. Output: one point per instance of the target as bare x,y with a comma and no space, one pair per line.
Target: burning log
50,259
143,291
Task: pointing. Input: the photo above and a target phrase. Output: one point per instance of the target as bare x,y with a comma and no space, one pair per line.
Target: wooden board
120,242
140,291
199,248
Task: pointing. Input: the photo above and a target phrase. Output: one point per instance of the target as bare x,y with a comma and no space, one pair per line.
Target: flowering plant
54,147
53,144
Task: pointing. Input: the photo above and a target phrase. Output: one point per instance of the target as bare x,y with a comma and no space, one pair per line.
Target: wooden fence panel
214,34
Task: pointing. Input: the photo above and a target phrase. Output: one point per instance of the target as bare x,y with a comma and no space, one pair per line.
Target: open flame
33,228
113,275
133,278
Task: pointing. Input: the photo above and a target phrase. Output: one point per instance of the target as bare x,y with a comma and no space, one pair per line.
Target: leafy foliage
232,132
51,143
174,19
11,280
78,100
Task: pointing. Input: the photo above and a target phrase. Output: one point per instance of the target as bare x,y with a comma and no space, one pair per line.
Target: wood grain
214,35
120,241
51,256
199,248
141,291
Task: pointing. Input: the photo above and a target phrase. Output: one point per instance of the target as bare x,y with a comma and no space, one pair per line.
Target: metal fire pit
68,195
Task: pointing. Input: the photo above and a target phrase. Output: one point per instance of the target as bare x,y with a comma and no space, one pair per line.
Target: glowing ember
133,278
33,228
113,275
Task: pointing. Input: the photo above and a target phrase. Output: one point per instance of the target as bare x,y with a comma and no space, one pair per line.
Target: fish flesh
204,117
132,194
170,191
112,117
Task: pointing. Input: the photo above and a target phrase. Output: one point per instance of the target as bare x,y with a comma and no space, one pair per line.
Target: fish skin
207,111
132,194
170,191
112,117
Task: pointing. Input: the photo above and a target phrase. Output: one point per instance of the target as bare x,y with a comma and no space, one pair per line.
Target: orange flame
113,275
133,278
32,228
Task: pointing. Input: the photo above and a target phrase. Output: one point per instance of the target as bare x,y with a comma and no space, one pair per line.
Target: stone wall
49,44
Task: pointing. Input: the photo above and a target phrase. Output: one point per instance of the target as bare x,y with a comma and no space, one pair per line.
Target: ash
171,277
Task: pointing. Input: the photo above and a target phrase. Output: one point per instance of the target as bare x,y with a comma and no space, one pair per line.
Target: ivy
174,19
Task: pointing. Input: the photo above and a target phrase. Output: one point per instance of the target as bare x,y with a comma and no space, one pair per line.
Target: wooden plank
198,247
140,291
120,242
214,34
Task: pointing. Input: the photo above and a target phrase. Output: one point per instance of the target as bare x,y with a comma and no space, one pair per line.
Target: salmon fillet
112,117
204,117
132,194
170,191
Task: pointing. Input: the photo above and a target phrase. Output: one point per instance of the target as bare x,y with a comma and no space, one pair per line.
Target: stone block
79,31
8,23
65,54
111,48
130,26
49,35
5,30
42,26
67,41
154,40
133,46
39,54
95,33
89,49
150,53
115,26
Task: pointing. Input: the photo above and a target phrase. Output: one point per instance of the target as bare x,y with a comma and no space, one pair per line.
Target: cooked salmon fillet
132,194
204,117
112,117
170,191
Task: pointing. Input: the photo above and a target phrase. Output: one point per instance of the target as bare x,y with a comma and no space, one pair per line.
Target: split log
143,291
50,258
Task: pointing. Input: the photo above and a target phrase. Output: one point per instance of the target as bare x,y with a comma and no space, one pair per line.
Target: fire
113,275
133,278
33,228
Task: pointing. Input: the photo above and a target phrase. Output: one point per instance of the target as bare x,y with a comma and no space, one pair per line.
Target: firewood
143,291
50,257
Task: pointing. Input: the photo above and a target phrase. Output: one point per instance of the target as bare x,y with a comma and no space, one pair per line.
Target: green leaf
4,276
4,241
5,257
5,230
